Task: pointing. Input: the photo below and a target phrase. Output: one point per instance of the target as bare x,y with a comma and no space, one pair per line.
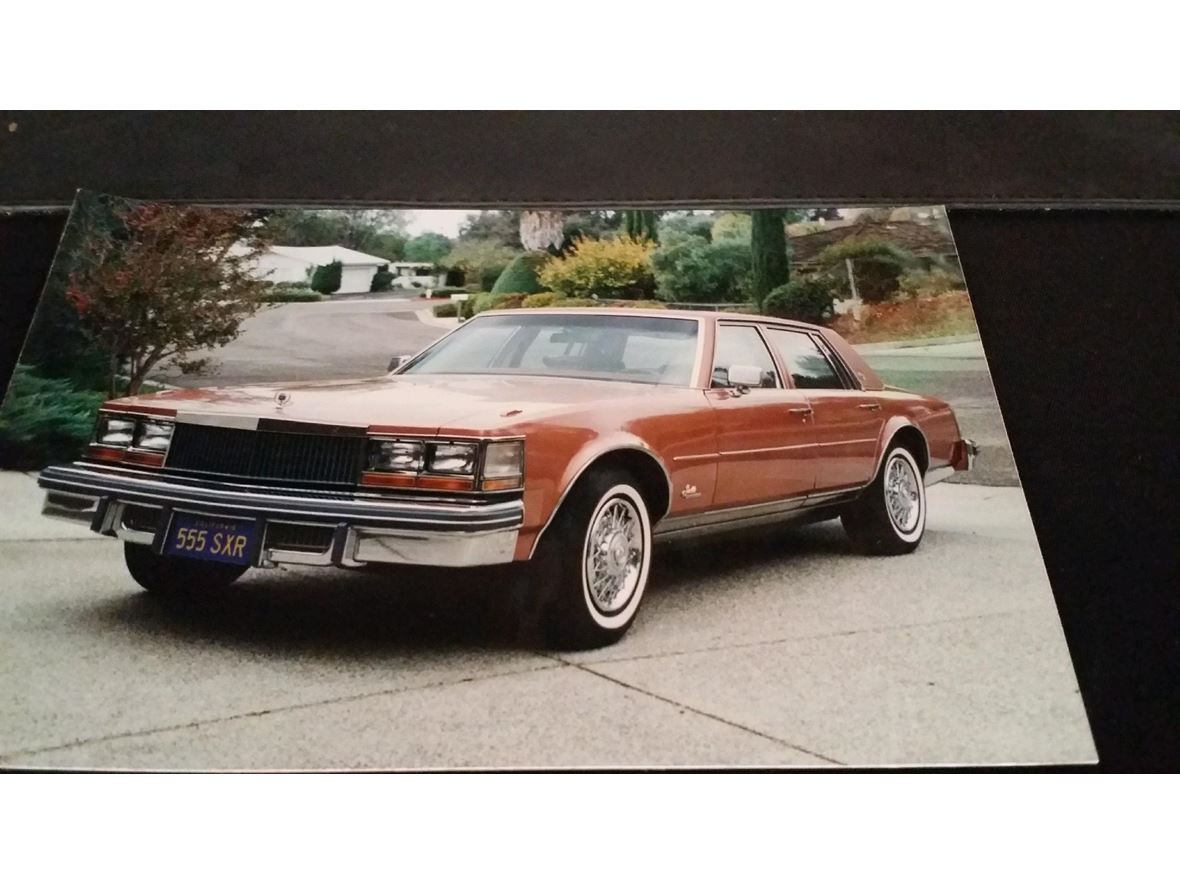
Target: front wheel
175,575
889,518
593,562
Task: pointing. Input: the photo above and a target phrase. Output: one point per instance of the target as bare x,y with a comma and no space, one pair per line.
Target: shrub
541,299
326,278
382,280
521,275
447,309
284,292
686,225
924,283
44,420
578,302
467,308
617,268
480,261
493,301
877,264
447,291
732,226
807,299
690,268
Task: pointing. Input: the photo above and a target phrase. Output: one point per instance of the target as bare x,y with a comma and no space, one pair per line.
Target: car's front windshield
654,350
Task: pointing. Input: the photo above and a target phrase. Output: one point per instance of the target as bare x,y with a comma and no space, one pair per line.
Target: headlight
153,435
395,455
114,431
503,465
456,458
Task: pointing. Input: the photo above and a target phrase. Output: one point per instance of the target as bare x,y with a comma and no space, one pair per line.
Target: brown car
569,439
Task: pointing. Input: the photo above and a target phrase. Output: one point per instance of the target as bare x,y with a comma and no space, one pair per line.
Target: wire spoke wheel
614,555
902,497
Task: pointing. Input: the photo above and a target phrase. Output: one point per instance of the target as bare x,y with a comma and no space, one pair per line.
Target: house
931,241
296,264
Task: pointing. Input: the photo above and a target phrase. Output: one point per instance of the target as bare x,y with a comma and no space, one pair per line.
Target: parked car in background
565,440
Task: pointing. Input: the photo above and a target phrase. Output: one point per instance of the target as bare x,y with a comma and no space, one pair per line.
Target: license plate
210,538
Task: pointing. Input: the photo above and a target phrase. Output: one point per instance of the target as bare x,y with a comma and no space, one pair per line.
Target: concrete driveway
776,649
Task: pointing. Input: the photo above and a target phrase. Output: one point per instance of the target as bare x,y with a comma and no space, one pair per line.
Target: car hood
424,403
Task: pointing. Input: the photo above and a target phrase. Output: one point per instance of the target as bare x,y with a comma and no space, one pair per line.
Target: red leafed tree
166,281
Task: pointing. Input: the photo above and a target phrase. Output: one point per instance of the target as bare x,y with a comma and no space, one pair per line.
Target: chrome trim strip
849,442
236,422
768,449
709,456
762,514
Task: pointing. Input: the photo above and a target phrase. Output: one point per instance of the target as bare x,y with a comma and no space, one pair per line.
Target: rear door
764,434
847,421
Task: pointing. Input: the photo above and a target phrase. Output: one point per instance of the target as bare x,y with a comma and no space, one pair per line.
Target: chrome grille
266,455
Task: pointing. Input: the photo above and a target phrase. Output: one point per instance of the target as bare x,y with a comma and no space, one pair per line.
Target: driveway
776,649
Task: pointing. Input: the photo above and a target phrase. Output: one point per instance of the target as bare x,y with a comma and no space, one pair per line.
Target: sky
443,221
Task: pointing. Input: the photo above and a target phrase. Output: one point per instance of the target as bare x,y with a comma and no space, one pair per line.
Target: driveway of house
779,649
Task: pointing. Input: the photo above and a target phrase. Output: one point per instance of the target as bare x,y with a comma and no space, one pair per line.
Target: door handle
871,407
806,410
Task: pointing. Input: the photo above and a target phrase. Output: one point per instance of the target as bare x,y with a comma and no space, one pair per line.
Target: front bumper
356,529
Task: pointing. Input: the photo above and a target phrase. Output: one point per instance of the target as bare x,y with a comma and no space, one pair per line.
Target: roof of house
328,254
921,239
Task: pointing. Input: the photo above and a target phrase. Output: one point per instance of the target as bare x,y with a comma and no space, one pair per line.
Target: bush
521,275
690,268
326,278
284,292
479,261
382,280
924,283
877,264
493,301
44,420
467,308
807,299
617,268
541,299
447,309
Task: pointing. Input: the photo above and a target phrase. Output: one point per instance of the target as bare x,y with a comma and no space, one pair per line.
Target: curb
871,346
426,315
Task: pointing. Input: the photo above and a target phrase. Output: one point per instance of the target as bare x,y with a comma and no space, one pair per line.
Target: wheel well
912,439
650,476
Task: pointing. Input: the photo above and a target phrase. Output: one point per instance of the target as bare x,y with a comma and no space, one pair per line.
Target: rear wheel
592,566
175,575
889,518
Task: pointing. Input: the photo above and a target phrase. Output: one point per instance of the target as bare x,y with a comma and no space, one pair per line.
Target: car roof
658,313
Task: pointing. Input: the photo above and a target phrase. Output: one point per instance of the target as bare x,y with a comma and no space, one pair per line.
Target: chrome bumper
363,528
963,458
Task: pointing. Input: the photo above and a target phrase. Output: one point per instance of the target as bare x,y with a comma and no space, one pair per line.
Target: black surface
533,158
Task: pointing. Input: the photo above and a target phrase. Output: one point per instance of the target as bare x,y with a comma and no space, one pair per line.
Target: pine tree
327,277
768,248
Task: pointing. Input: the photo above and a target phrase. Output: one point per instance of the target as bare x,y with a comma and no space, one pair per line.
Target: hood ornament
281,399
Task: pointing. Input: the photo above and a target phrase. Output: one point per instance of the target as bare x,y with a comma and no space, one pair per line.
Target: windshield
571,345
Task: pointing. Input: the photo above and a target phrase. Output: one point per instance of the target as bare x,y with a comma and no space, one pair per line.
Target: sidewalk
426,315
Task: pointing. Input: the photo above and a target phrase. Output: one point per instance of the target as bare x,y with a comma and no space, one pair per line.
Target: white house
296,264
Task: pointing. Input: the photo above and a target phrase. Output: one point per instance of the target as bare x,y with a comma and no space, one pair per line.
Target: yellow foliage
614,268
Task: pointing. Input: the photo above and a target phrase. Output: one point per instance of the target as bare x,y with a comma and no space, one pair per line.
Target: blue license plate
210,538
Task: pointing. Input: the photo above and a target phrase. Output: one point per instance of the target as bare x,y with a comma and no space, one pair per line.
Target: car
564,440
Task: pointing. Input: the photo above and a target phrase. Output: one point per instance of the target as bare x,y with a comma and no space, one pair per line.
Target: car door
847,421
765,438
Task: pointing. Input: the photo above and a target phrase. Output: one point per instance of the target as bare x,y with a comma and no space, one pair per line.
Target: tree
768,252
480,261
641,224
327,277
379,231
429,247
498,226
521,275
687,223
382,279
732,226
690,268
877,266
166,281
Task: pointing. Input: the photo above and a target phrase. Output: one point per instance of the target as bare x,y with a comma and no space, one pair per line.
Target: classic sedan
566,440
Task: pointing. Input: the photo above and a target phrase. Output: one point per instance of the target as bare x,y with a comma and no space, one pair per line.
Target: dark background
1076,299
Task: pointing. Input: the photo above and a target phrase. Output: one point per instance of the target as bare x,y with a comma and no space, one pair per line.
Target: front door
847,422
765,436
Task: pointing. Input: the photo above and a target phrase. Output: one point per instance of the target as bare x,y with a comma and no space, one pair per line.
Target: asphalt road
356,338
782,648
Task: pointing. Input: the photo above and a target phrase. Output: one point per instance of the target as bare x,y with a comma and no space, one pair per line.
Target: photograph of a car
344,488
569,438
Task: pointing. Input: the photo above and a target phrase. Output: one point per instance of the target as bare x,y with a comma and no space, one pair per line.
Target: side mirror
745,376
398,361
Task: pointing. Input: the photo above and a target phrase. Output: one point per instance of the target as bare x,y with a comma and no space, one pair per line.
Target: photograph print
514,488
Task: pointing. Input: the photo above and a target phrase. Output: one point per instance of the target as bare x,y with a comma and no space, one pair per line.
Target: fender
586,457
888,431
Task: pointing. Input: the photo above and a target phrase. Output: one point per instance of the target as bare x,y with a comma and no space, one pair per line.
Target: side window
807,365
741,346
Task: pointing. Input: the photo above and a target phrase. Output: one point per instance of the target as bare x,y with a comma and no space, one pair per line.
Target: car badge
281,399
689,491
